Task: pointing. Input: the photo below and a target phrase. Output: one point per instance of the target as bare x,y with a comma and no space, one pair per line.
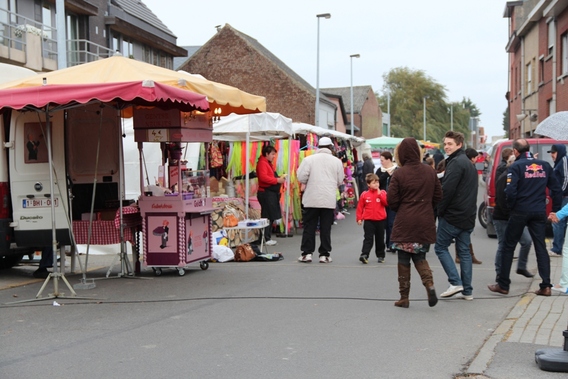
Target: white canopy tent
255,127
303,128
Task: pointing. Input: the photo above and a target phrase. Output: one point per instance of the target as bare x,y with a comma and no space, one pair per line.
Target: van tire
9,261
482,214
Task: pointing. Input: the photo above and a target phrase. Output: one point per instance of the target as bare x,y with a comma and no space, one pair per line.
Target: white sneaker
560,289
451,291
464,297
270,243
324,259
553,254
305,258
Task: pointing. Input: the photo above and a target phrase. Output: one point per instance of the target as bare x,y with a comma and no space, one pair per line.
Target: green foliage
506,121
408,90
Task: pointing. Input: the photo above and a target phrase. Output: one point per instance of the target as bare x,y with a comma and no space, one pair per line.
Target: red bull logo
534,171
534,167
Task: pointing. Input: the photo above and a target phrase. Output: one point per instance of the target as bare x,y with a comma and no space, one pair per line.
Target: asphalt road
257,319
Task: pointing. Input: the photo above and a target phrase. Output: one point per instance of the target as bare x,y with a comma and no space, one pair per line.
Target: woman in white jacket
320,175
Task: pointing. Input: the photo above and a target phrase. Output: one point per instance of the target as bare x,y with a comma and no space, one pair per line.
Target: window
551,36
541,71
564,54
529,78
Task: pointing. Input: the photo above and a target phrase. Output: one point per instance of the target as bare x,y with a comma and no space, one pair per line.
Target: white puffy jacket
322,173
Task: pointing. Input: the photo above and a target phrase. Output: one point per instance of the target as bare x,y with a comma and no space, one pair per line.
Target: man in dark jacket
368,168
456,216
501,219
558,154
527,180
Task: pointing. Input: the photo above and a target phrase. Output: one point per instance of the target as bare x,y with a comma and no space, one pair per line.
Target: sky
459,44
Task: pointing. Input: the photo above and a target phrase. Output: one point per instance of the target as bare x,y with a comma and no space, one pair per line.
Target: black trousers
310,219
374,230
270,209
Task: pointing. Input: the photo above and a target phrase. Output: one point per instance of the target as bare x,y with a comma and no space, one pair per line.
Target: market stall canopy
120,69
384,142
258,126
144,93
303,128
429,145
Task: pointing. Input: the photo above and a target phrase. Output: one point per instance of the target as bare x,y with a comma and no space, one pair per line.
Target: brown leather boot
457,256
403,286
474,260
423,269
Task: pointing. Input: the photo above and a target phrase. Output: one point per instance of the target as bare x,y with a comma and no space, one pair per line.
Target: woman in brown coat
413,192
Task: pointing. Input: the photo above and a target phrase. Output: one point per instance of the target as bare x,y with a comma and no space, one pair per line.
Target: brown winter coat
413,192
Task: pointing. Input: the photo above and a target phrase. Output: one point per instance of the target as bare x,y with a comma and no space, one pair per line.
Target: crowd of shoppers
428,206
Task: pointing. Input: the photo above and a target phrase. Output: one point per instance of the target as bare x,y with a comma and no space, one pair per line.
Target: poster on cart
198,237
162,239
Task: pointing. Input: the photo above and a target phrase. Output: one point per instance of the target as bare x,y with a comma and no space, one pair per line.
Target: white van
10,253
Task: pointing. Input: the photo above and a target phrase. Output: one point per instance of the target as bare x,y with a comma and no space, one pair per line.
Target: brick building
367,116
236,59
538,62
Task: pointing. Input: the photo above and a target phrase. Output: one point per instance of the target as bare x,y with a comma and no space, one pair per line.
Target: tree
408,90
506,122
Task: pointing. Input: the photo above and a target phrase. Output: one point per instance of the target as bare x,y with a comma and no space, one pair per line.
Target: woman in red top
371,210
269,190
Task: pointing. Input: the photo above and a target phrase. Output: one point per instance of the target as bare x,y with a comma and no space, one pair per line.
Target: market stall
256,127
113,85
176,214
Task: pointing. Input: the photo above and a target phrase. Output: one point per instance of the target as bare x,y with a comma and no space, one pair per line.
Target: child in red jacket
371,210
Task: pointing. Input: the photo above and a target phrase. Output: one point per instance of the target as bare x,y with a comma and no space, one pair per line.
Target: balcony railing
81,51
14,44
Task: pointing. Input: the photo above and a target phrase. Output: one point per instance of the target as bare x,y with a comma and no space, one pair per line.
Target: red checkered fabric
108,232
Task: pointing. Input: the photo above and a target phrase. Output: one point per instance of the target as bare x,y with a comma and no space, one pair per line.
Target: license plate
38,203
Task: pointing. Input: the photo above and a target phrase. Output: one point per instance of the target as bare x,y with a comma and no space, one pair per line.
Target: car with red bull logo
538,147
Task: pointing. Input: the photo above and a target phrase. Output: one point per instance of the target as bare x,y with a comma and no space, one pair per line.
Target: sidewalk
534,322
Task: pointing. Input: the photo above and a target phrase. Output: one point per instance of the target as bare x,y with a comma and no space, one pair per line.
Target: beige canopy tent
223,98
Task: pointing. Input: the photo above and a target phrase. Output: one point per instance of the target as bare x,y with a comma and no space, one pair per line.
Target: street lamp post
352,56
324,15
424,115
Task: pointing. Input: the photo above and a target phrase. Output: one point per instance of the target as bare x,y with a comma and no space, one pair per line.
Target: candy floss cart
176,214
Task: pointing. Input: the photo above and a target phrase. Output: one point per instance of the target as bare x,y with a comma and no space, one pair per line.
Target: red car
539,146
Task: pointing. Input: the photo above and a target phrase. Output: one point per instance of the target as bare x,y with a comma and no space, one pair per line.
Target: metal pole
351,104
324,15
424,116
389,112
60,34
351,57
451,117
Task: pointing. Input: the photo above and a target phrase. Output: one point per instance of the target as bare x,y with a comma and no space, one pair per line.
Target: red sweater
372,205
265,173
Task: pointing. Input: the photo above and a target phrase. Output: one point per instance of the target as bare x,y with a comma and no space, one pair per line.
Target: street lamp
424,115
352,56
324,15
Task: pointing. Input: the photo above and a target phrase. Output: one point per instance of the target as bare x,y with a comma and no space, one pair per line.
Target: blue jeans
558,231
525,242
536,223
390,223
447,233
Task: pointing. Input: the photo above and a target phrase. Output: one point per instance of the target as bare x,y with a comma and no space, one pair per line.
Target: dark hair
430,161
386,155
506,153
471,152
456,136
441,166
268,149
369,178
521,145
